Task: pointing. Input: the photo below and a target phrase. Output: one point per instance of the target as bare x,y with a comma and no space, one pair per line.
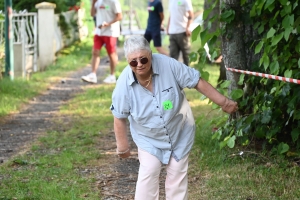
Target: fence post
9,55
46,30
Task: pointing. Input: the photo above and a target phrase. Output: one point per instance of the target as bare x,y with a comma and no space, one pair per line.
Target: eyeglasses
143,60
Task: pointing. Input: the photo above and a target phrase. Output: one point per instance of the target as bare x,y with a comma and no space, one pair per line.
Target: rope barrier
269,76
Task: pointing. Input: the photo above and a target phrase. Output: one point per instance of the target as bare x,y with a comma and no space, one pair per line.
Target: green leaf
283,2
295,5
288,73
283,148
205,75
253,12
299,63
193,57
286,22
215,106
205,36
295,134
287,8
271,33
241,80
195,33
236,94
259,46
266,116
261,29
266,61
231,142
274,67
287,33
274,89
276,39
227,16
223,144
206,13
268,3
225,84
297,22
214,55
217,135
259,7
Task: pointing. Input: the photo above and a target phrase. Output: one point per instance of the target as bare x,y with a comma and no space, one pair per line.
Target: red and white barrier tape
269,76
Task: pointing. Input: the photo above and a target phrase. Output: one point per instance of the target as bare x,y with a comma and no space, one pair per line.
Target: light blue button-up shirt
161,122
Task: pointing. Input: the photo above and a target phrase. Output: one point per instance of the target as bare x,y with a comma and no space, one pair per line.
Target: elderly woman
149,93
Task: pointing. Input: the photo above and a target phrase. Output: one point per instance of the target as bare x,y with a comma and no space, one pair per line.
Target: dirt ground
116,179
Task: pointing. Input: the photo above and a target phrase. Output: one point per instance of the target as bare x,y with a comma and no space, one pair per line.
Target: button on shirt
161,122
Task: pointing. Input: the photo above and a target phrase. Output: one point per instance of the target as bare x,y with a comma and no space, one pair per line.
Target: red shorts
110,43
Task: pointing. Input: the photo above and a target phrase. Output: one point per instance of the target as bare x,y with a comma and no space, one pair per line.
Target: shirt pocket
169,99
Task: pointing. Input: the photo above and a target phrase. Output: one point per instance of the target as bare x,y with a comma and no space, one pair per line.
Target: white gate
24,42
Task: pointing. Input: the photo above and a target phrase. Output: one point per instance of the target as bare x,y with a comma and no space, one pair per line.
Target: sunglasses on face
143,60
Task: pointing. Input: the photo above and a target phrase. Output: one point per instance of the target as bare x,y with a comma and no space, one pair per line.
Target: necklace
149,80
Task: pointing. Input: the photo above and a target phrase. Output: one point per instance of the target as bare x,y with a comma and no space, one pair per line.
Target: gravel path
18,131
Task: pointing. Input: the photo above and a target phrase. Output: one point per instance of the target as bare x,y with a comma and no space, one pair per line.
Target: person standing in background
178,29
108,15
155,25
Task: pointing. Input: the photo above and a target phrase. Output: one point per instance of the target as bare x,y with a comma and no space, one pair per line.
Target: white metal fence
25,35
24,41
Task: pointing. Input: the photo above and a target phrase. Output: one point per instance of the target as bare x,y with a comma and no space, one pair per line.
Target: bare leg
95,60
113,57
92,77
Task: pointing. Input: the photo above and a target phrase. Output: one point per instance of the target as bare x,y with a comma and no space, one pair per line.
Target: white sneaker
110,79
91,78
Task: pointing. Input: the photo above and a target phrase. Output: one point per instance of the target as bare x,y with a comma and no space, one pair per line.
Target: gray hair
136,43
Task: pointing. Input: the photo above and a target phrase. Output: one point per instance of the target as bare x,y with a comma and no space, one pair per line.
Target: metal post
9,54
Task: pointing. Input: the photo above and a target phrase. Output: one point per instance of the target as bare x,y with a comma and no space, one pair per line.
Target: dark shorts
110,43
155,36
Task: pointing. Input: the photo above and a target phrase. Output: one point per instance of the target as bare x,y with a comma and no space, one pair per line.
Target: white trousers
176,184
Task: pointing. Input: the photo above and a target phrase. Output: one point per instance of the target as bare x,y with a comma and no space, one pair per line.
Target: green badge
167,105
179,3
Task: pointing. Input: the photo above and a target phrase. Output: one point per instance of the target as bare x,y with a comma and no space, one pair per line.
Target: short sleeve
187,77
117,7
188,5
120,105
160,8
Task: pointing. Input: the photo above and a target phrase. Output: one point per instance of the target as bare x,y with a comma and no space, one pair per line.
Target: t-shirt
179,15
106,11
154,8
161,122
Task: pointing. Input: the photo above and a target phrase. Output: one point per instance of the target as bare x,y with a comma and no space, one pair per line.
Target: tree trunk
233,48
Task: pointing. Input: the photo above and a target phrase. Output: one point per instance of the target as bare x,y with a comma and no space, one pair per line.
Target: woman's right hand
124,154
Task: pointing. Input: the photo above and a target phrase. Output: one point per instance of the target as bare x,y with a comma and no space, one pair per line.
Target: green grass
19,91
54,167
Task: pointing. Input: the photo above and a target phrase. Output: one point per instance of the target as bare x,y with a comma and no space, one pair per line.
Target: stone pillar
46,22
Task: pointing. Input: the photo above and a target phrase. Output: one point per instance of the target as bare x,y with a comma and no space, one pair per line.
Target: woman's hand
124,154
230,106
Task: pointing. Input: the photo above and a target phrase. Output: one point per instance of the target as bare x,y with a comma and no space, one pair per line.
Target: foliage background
269,110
